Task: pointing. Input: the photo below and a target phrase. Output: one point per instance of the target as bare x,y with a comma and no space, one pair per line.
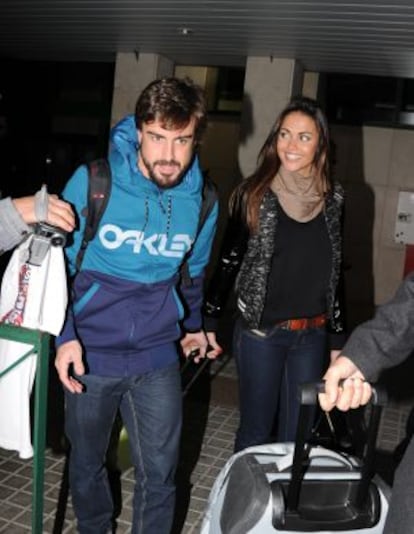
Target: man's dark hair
173,102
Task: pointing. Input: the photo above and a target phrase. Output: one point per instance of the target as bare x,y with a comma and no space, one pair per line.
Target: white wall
373,164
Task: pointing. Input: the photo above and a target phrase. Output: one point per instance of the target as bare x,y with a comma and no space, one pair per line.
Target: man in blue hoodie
118,346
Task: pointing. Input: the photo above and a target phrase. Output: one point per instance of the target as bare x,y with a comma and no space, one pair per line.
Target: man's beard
160,181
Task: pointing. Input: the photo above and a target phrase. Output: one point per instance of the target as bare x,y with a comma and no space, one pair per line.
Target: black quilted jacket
248,258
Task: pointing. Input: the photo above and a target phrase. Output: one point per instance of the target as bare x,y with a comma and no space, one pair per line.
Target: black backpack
99,190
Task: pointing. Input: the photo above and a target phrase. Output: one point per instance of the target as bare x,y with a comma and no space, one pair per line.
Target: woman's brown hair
250,192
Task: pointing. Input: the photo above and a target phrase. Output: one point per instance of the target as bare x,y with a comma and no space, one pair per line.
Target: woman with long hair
284,244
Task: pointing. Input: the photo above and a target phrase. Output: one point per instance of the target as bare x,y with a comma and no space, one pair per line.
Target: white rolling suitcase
294,487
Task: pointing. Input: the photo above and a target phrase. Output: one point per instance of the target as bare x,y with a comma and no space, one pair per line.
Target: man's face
165,155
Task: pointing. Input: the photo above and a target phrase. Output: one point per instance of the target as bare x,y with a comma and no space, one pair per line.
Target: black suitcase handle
308,398
200,369
309,391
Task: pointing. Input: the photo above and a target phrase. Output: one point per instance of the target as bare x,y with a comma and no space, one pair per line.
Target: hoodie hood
123,155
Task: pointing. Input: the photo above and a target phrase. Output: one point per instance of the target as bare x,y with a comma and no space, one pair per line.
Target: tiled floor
209,426
16,481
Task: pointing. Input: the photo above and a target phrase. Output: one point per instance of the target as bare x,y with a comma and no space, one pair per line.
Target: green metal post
40,342
39,437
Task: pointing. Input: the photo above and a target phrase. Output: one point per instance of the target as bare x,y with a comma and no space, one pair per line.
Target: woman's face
297,143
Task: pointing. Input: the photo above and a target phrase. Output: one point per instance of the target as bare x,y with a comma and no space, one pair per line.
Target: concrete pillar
269,84
310,84
133,72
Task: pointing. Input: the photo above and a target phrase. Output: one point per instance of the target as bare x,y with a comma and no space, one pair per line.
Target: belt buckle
298,324
320,321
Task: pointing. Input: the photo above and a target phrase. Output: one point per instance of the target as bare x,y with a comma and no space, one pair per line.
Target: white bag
33,297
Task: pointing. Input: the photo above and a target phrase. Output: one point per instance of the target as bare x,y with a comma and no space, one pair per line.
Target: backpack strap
209,198
99,188
209,195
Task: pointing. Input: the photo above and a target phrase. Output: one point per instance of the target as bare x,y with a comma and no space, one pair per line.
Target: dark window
406,115
224,86
53,116
371,100
229,89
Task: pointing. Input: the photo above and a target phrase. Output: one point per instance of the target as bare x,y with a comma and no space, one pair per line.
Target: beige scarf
301,197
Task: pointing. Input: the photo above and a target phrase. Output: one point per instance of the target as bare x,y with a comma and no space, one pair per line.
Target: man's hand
352,392
197,341
59,212
67,354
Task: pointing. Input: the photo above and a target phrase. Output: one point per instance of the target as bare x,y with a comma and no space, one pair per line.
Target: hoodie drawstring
166,210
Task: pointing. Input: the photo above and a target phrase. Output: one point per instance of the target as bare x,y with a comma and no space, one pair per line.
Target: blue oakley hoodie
125,303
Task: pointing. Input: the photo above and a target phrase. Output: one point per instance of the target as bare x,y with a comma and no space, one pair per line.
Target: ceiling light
185,31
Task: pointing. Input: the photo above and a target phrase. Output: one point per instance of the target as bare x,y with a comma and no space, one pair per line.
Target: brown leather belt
303,324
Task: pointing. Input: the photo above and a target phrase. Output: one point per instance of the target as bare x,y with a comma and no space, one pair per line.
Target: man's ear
139,135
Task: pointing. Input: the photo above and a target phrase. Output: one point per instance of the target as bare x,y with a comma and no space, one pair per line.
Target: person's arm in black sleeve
231,256
336,325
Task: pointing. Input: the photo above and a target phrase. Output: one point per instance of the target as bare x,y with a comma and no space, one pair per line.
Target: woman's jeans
271,366
150,406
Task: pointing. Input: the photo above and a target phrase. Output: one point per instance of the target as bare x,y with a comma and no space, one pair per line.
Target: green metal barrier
39,342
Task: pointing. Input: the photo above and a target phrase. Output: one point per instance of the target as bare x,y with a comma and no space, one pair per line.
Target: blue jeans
271,367
151,409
